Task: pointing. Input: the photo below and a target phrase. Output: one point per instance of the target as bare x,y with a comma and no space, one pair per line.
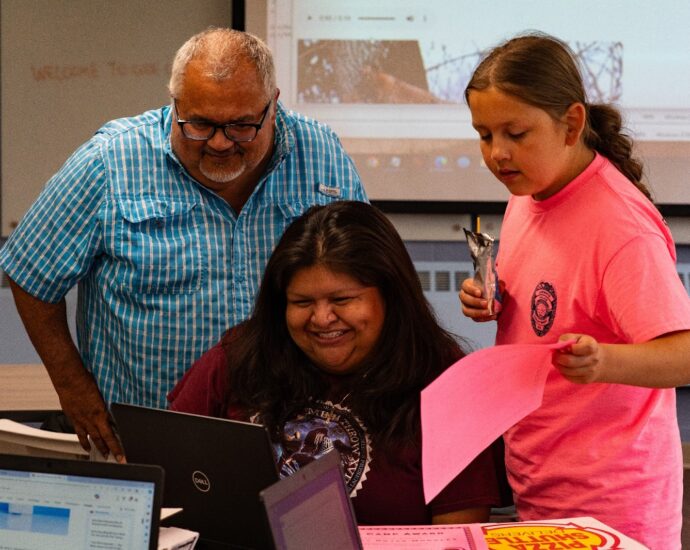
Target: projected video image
362,71
421,72
35,519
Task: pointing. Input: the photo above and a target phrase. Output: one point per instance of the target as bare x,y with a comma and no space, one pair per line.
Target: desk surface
26,388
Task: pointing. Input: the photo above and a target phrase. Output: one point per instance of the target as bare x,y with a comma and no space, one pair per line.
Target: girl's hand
582,362
473,305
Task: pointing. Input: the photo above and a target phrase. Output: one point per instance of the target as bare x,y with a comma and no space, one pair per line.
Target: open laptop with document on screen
66,504
215,469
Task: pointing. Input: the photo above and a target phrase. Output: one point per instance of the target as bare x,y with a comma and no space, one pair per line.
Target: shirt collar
570,189
284,137
167,116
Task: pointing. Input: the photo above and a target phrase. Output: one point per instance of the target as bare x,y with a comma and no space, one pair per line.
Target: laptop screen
60,509
312,508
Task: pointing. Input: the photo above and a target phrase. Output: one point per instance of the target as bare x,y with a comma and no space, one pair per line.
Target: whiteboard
68,66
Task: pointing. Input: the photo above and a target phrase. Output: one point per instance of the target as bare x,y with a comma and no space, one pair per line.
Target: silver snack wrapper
482,252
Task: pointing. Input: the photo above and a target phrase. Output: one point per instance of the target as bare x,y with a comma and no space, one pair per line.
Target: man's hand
82,403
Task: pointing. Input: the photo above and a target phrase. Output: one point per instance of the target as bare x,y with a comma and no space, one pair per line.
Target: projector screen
388,76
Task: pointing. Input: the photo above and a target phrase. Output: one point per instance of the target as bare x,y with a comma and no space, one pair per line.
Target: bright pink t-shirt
598,259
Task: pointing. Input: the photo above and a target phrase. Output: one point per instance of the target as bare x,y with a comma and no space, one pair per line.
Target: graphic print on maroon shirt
543,308
317,430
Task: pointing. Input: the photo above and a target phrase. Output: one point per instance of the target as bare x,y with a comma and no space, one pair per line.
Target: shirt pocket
284,215
263,232
159,242
289,212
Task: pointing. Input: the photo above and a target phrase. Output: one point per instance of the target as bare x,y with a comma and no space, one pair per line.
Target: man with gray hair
165,222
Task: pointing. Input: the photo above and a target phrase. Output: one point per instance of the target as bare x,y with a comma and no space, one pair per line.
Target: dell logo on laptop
200,481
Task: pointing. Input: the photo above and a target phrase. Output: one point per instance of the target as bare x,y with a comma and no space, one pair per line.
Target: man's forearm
77,390
47,327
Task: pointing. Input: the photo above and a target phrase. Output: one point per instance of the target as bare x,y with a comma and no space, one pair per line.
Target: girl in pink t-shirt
583,255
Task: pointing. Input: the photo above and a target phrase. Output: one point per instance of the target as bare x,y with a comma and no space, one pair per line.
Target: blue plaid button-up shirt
164,266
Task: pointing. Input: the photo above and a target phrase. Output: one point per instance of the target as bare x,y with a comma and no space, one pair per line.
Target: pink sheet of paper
474,401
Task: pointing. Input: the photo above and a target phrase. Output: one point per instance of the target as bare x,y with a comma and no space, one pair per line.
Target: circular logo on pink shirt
543,308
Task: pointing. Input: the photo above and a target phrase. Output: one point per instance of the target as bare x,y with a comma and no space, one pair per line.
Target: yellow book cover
561,534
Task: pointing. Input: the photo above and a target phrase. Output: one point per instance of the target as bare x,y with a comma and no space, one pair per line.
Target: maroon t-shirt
386,488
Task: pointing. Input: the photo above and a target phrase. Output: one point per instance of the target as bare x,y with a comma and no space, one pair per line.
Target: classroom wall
68,66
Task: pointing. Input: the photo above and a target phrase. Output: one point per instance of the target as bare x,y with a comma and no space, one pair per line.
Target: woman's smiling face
333,318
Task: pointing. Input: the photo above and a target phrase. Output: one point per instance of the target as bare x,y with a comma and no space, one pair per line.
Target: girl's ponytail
603,133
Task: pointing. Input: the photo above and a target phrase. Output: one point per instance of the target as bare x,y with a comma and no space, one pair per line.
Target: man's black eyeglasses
201,130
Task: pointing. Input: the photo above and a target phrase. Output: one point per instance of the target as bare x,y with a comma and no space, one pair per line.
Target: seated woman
335,354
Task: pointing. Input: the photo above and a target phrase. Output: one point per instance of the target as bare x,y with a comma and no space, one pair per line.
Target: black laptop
215,469
65,504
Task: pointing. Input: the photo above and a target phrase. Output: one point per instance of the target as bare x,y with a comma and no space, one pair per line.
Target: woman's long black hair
270,375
